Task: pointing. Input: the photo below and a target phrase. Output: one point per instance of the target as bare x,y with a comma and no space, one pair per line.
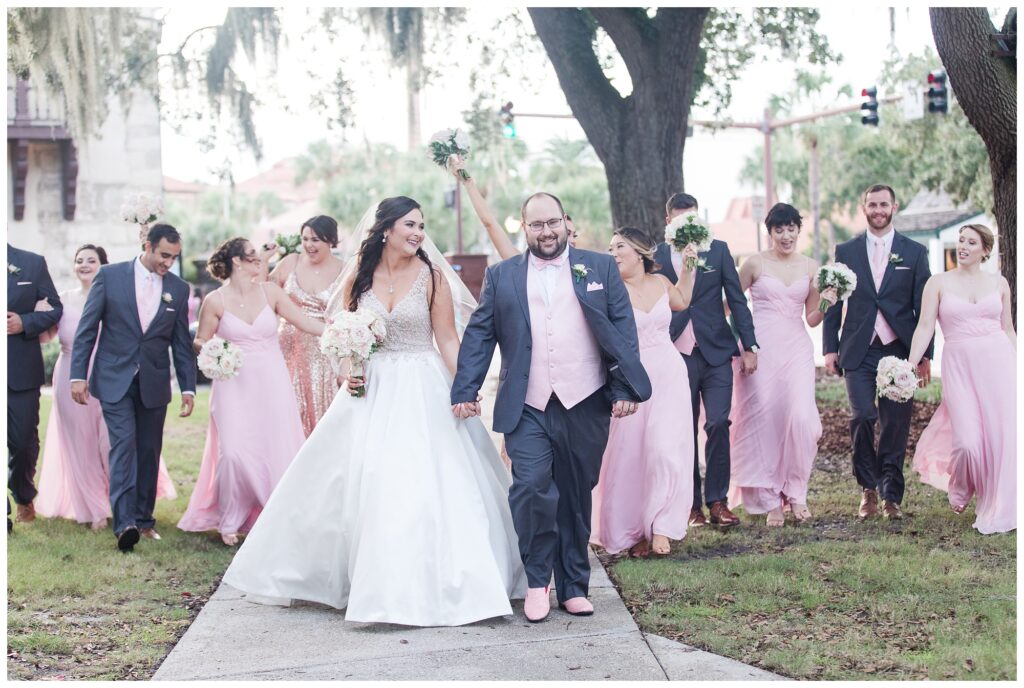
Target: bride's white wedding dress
393,510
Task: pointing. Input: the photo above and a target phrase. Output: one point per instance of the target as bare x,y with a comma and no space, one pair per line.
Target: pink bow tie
541,263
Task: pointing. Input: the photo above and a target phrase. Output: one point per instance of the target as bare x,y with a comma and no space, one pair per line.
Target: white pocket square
23,284
169,310
899,268
594,286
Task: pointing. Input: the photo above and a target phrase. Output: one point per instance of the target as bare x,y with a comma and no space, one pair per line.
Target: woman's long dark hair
388,212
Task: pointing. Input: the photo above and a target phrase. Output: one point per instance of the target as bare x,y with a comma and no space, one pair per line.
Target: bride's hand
353,384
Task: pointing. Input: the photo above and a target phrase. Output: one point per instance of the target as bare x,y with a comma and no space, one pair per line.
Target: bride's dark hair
388,212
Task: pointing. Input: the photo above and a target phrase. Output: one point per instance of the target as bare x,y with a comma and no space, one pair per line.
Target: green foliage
934,152
51,350
218,216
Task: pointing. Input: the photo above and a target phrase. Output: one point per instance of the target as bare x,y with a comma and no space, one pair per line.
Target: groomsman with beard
28,282
569,362
881,316
703,337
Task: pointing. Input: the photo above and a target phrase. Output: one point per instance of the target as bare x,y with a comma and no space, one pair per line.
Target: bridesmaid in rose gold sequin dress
313,377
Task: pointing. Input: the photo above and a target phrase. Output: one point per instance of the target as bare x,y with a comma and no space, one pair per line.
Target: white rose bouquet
219,359
446,143
355,335
287,243
836,276
142,208
896,379
688,229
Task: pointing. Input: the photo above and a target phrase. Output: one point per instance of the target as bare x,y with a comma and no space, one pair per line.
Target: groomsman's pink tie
146,301
878,265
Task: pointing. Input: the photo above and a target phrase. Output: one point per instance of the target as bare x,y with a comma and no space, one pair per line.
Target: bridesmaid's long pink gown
255,432
75,475
970,445
646,482
775,422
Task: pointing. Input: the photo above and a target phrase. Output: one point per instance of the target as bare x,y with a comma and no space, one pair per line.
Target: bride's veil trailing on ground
463,300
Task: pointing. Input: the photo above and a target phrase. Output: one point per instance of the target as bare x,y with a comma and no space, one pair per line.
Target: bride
393,509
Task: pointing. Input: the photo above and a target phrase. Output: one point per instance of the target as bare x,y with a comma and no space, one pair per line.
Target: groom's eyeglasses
553,223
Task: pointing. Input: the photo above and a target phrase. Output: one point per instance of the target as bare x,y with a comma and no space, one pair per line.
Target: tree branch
631,38
568,40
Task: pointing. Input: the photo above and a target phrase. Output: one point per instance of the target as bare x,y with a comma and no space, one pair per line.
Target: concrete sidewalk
235,639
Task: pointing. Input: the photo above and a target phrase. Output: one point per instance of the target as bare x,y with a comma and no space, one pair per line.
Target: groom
881,316
569,361
143,310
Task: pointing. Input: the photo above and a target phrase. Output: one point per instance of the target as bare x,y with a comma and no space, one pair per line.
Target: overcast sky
712,161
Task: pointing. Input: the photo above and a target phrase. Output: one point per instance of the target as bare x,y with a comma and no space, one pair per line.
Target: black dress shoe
127,539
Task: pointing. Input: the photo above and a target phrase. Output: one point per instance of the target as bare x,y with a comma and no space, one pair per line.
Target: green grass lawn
79,609
925,598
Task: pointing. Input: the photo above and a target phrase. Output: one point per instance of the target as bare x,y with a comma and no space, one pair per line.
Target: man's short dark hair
160,231
782,214
680,201
522,211
877,187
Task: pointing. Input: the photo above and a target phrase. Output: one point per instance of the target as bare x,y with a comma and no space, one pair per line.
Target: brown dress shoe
26,513
891,510
697,518
150,533
868,504
721,516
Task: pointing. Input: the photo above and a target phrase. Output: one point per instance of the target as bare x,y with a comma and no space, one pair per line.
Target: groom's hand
80,391
623,408
188,402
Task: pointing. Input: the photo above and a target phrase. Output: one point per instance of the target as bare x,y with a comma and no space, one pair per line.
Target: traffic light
938,94
870,106
508,124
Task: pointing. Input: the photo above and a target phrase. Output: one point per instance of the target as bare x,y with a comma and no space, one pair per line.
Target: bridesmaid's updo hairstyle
324,227
390,211
782,214
100,252
641,243
988,239
219,265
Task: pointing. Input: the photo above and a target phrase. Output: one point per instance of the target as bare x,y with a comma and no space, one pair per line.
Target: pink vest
565,357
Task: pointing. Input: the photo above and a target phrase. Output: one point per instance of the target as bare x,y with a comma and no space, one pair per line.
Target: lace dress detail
408,325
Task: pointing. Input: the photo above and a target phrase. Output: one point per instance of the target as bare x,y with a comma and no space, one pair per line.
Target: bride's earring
384,239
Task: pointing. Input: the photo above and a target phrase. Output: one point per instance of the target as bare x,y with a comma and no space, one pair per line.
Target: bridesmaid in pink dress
74,478
310,279
775,421
255,430
970,446
645,490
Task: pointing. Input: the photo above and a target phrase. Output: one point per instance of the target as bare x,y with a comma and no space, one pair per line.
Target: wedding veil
463,300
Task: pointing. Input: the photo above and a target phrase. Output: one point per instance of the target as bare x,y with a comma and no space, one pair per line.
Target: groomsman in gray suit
703,337
143,310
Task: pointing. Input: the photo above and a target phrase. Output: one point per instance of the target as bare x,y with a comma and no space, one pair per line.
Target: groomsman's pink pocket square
594,286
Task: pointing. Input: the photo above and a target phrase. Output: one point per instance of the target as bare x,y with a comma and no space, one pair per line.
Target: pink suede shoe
577,606
537,605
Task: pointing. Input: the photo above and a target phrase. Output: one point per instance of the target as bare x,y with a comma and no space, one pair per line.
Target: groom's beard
560,244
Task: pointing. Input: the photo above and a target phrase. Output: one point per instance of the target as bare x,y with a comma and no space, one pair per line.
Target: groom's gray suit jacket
124,347
503,319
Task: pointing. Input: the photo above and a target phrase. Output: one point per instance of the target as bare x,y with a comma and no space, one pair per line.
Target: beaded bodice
408,324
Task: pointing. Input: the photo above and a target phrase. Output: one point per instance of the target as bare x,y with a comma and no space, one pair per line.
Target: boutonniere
702,265
167,297
895,258
580,272
13,269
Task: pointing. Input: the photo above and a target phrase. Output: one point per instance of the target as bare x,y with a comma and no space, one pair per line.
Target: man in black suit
881,316
703,337
28,283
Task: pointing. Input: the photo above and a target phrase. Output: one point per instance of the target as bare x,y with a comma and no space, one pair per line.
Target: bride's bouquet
836,276
355,335
688,229
287,243
142,208
446,143
896,379
219,359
